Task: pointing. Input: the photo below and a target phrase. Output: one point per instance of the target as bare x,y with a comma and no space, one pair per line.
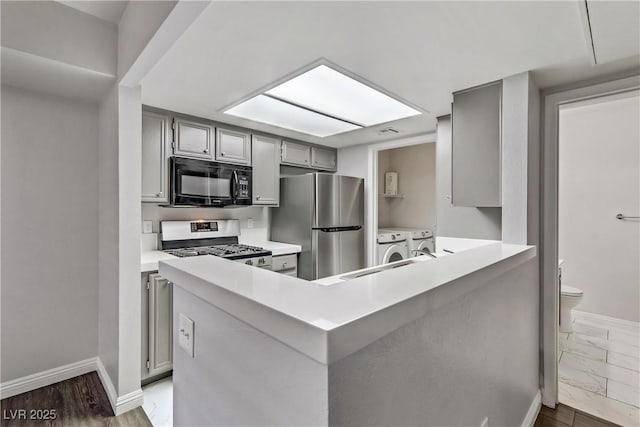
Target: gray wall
50,237
473,358
108,236
240,376
452,221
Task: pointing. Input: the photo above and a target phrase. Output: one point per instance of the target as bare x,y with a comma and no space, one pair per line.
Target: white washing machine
418,239
392,247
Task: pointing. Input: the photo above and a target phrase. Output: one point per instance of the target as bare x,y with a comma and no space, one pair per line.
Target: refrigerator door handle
338,229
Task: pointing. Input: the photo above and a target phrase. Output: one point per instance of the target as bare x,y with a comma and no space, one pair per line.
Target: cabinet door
322,158
144,330
192,139
296,154
476,169
233,147
160,325
266,170
155,182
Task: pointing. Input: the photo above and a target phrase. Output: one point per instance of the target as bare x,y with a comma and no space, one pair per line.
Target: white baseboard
119,404
534,410
600,319
48,377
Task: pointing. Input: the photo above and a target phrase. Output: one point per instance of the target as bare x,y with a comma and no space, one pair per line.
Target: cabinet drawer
284,262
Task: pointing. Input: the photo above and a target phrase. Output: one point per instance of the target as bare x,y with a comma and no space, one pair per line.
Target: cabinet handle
257,197
205,151
158,194
284,264
223,154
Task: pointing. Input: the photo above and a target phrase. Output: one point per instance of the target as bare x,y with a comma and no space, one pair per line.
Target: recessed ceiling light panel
277,113
323,102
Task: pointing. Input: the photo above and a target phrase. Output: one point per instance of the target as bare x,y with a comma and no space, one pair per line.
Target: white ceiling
110,11
419,51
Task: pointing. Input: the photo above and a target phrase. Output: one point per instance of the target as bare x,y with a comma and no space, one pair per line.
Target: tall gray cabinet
476,150
157,325
266,170
155,140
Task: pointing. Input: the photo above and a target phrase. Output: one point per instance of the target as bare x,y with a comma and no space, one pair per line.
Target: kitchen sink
378,269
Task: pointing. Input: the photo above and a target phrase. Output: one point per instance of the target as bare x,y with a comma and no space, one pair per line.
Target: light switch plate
249,222
147,227
186,334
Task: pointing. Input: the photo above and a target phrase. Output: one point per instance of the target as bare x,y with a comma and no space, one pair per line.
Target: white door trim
550,297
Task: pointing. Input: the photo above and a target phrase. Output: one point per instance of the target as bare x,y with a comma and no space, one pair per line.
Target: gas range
211,237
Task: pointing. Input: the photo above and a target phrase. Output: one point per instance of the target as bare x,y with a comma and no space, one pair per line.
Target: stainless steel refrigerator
324,213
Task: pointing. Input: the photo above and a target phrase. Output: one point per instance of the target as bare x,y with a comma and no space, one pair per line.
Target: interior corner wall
455,221
108,236
49,170
129,227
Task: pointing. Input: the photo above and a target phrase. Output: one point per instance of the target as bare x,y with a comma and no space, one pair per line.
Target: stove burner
230,250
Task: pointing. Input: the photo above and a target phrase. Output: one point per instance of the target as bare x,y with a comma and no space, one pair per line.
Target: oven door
201,183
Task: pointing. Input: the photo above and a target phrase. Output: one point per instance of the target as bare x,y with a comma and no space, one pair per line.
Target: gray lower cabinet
476,146
266,170
157,325
155,137
233,146
193,139
322,158
295,154
285,264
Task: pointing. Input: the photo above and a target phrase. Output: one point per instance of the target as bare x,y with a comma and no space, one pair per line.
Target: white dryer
418,239
392,247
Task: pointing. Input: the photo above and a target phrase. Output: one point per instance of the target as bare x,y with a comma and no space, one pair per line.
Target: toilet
569,299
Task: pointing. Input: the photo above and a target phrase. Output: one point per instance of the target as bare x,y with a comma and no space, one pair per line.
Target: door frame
550,292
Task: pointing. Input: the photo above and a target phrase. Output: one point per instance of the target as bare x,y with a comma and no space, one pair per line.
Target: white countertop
277,248
149,259
329,322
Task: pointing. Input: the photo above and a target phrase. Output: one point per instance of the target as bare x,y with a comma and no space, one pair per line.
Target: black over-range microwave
209,184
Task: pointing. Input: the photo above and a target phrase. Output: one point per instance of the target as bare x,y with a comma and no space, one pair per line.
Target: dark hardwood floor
82,401
79,401
565,416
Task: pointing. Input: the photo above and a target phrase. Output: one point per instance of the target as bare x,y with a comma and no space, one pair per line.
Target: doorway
550,292
405,199
599,182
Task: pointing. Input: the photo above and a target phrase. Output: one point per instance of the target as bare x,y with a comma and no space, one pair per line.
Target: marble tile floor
158,402
599,370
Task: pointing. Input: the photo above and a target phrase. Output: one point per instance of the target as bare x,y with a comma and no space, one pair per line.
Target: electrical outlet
186,334
147,227
250,223
485,422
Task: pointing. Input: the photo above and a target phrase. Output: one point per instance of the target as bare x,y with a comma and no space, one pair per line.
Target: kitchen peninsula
429,343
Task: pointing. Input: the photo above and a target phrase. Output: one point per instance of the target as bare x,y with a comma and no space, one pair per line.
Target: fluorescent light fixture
271,111
323,102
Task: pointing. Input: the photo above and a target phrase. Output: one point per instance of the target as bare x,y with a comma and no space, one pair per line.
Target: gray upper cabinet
155,131
193,139
476,147
266,170
233,146
323,158
295,154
